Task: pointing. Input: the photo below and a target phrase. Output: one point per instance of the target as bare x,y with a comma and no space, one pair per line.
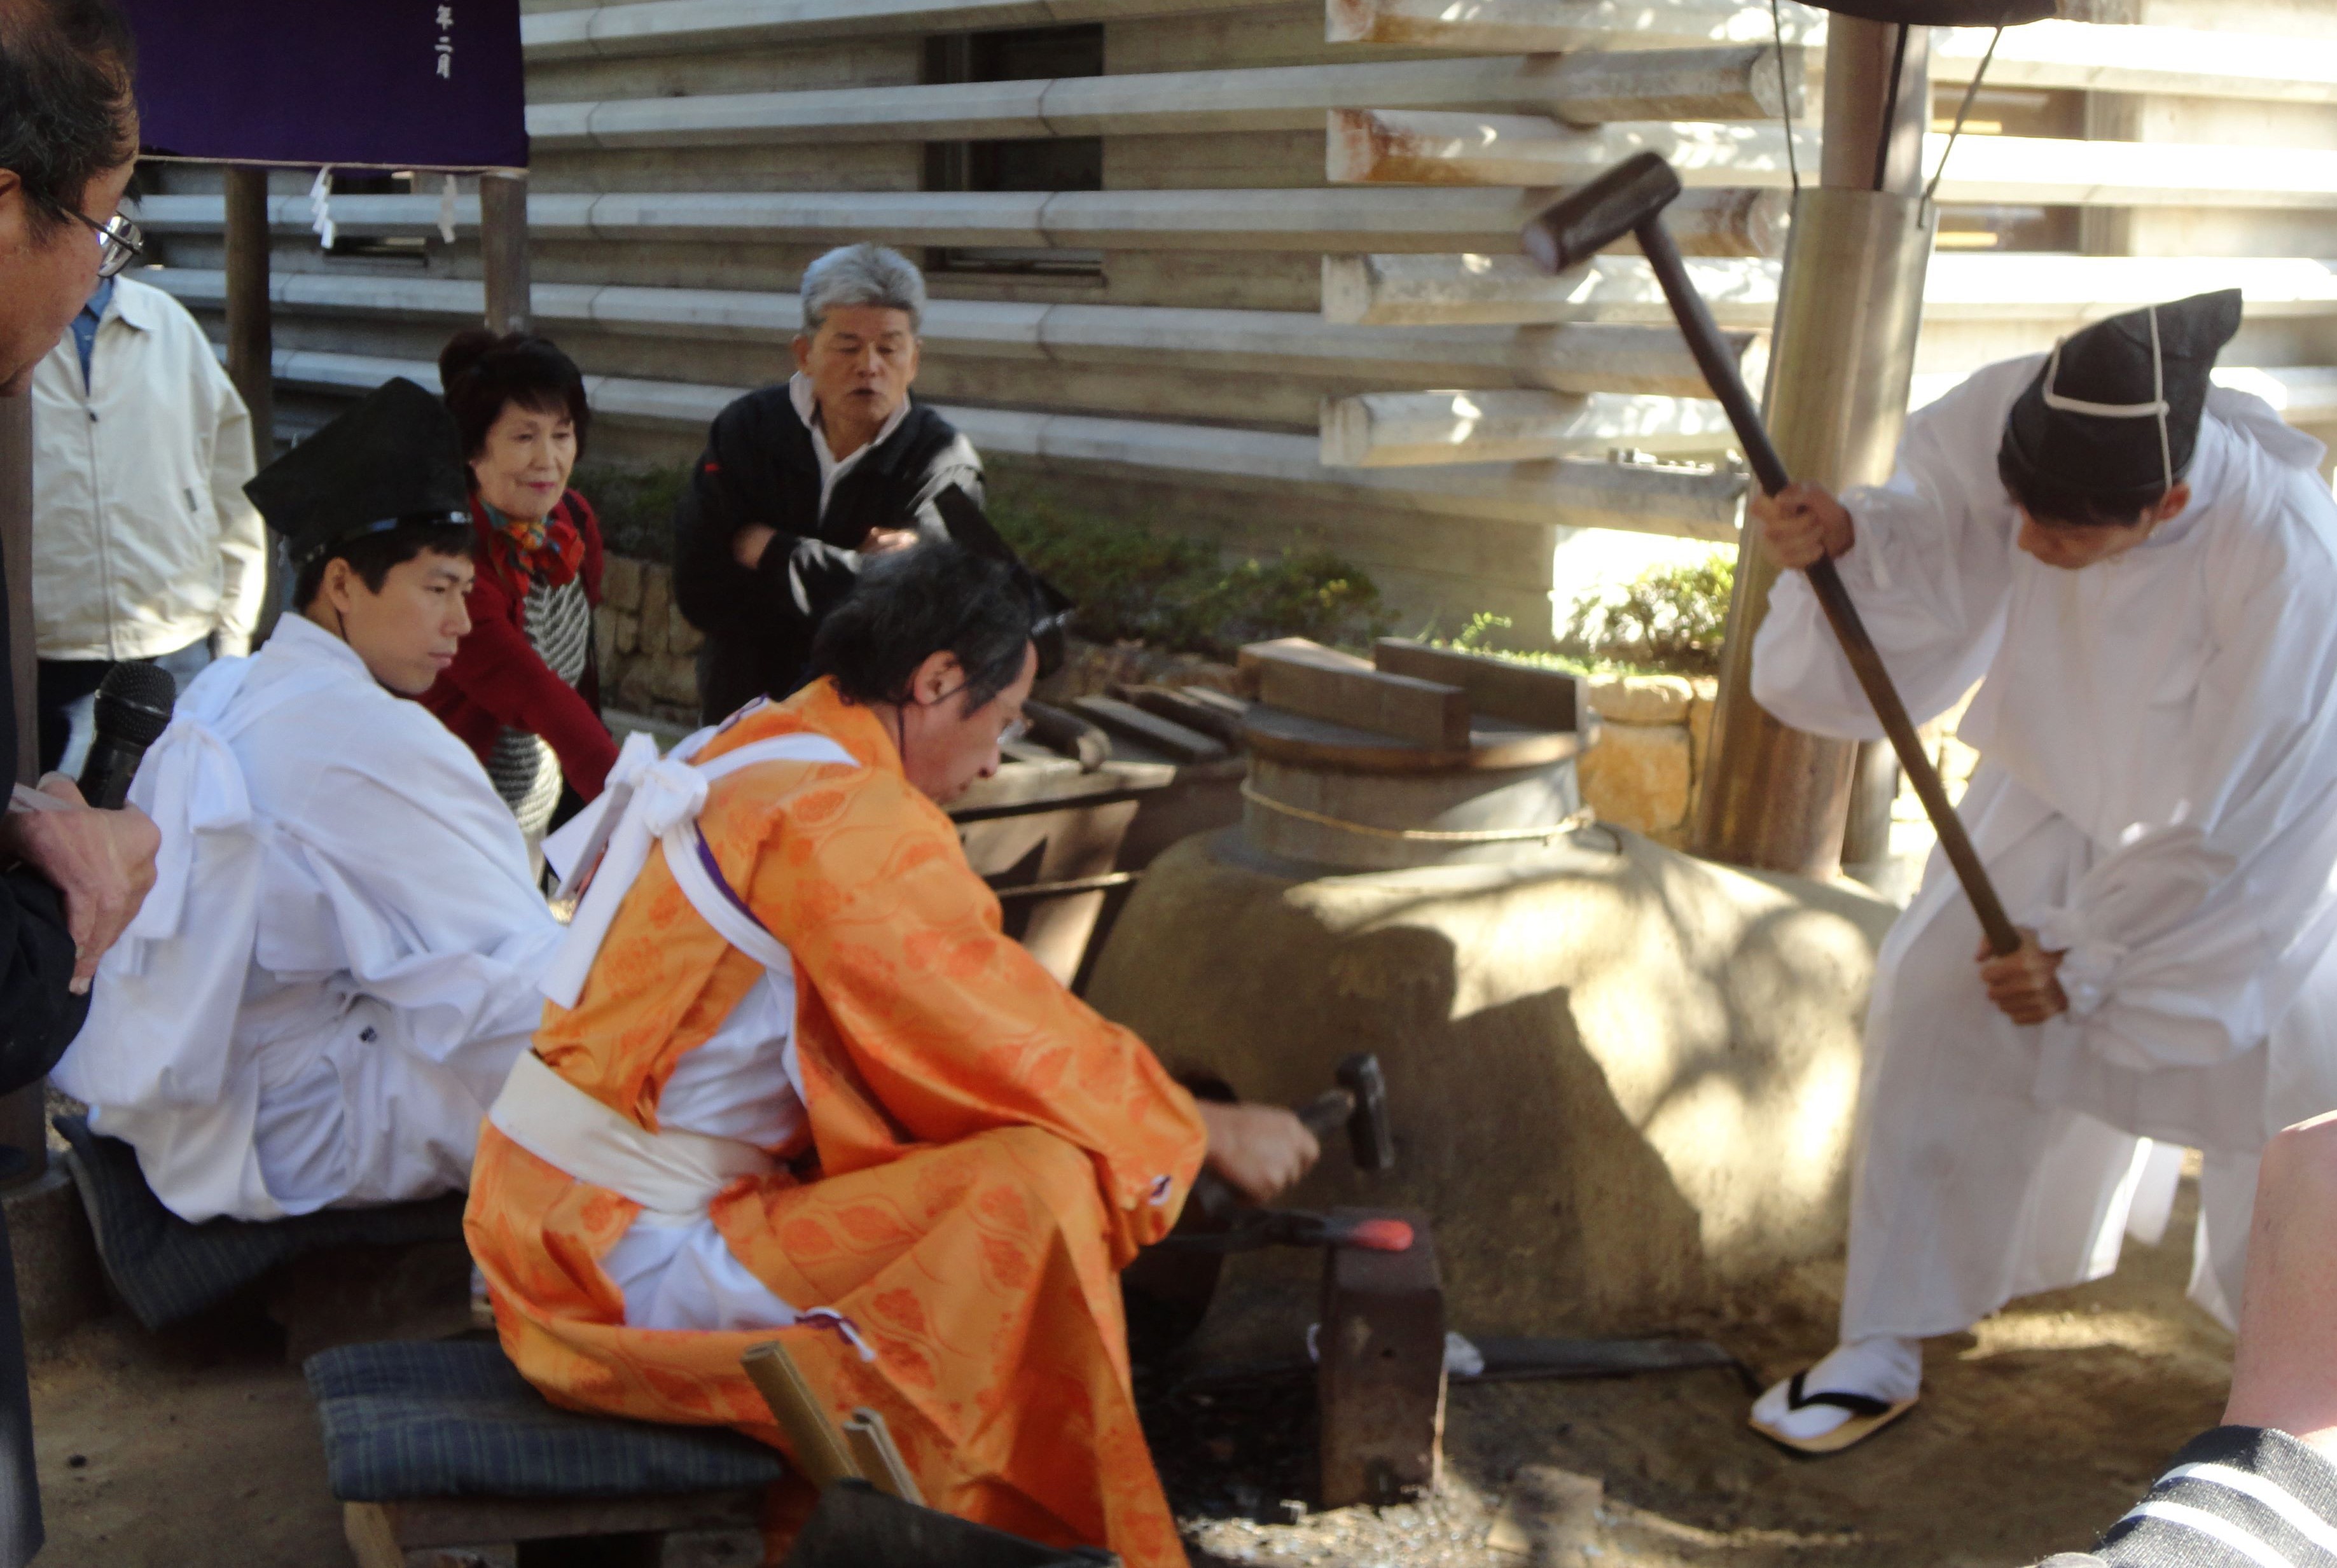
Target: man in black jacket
71,878
802,484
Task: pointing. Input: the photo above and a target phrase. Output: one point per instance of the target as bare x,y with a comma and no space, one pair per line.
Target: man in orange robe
802,1086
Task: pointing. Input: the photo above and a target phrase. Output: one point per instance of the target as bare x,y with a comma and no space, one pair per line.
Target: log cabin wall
1247,270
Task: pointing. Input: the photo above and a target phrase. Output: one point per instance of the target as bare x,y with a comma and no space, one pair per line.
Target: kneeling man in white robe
338,964
2141,569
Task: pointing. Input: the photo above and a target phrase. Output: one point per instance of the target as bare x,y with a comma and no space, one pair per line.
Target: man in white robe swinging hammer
2141,570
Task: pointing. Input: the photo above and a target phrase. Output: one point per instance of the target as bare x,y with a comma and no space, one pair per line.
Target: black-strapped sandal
1868,1415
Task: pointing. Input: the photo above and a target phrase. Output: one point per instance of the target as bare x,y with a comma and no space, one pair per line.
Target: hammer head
1367,1125
1596,215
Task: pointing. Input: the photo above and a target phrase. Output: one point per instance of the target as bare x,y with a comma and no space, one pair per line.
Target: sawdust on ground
199,1447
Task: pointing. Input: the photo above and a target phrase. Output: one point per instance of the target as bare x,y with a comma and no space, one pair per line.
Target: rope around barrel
1573,822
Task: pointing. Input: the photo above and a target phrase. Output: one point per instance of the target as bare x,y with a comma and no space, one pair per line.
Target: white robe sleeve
1930,571
2175,940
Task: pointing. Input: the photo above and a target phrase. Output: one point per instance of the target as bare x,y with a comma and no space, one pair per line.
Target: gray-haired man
801,483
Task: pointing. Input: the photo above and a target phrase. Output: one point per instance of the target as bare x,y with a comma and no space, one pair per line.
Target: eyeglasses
118,240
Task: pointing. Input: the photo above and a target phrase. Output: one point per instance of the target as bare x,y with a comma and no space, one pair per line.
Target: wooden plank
1220,718
1544,699
1722,222
2195,63
1298,680
1163,735
1411,429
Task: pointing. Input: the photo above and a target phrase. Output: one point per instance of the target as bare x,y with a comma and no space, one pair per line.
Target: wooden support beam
1740,81
1726,223
1557,26
249,327
1413,429
700,26
1567,493
2057,293
2192,63
502,252
1649,358
1316,682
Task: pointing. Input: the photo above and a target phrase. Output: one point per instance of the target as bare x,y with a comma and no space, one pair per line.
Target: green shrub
1668,618
1182,594
635,504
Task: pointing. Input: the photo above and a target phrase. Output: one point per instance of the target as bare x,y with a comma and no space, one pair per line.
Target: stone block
1699,728
676,682
1641,699
621,582
628,625
604,641
1638,777
657,603
59,1284
637,688
681,636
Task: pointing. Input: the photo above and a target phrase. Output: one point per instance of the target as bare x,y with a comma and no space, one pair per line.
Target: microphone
133,709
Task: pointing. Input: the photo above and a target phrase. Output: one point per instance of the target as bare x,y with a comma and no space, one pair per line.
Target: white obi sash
657,801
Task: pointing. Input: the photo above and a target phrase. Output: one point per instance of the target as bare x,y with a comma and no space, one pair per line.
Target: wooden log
2059,293
1567,493
1544,699
1558,26
700,26
2190,62
1705,222
1433,147
1737,83
1408,429
1649,358
1295,675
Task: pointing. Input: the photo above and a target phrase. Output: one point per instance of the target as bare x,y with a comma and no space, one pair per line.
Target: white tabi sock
1886,1367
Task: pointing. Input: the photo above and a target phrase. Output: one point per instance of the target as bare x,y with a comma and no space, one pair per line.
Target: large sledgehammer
1630,199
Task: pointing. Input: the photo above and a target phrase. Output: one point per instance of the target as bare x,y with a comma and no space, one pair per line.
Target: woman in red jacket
523,691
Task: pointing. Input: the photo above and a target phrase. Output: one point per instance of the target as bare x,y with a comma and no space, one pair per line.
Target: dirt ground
197,1447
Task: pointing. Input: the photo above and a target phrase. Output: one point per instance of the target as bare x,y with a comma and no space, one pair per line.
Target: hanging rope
1972,91
1785,94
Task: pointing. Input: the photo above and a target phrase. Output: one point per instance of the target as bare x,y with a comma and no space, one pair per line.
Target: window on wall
1036,163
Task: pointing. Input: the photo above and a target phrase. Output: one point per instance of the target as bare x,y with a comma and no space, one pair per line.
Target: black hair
484,374
66,109
373,555
2056,506
934,597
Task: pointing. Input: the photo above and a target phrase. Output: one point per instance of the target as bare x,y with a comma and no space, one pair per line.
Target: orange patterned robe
989,1154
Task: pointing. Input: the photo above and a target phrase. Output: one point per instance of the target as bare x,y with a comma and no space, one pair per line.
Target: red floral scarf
548,550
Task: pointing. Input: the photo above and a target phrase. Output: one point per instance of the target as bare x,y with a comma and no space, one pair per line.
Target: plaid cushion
455,1420
167,1269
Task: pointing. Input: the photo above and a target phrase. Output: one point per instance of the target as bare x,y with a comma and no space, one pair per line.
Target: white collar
302,640
806,407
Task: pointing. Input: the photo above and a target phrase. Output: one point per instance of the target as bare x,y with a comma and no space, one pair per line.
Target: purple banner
401,83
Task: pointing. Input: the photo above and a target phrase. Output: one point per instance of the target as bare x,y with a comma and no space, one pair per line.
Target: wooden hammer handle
819,1452
1704,342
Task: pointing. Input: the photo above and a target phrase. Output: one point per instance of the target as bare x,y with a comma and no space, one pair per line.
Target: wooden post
250,330
1849,306
502,252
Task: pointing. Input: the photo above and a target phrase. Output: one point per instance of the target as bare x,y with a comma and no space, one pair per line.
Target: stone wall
1642,769
648,652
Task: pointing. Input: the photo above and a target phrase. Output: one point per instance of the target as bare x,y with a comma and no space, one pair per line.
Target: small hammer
1630,199
1360,1101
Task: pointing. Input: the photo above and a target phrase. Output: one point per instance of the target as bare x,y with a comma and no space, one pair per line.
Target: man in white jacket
2141,569
338,964
144,545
